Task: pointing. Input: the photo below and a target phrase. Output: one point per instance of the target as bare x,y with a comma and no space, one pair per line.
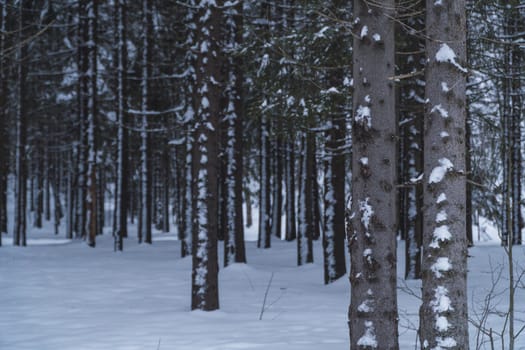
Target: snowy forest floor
57,294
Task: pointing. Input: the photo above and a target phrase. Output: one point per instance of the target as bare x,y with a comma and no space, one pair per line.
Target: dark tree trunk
19,234
234,228
291,227
4,118
205,291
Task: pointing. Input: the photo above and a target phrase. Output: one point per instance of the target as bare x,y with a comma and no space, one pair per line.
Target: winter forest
319,174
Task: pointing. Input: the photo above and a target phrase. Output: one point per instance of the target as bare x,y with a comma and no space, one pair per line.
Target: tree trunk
145,175
19,235
410,112
121,198
443,313
291,227
92,167
305,229
205,291
334,159
264,238
4,143
234,228
373,317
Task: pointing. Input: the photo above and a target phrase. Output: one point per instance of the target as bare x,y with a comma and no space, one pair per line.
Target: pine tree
121,198
20,226
373,317
205,293
4,143
443,313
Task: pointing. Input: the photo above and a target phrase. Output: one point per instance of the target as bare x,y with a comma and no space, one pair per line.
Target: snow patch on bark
438,173
446,54
369,338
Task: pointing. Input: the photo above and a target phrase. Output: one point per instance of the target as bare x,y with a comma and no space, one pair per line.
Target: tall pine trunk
145,174
234,228
20,225
121,198
443,313
373,317
205,290
4,143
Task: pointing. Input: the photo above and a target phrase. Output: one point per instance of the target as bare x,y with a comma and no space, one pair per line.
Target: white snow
369,338
442,112
440,234
441,216
446,54
444,87
444,134
442,324
366,213
447,342
363,161
364,31
376,37
438,173
363,116
441,265
60,294
441,302
441,198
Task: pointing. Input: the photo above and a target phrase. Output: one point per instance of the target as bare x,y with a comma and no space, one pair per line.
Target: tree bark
373,317
4,143
443,313
19,234
205,291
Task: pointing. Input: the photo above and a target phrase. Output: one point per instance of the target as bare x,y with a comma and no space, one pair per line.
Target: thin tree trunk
145,203
19,235
4,141
234,228
121,195
291,227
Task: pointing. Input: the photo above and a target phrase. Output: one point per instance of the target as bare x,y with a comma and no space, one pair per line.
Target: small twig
266,296
158,346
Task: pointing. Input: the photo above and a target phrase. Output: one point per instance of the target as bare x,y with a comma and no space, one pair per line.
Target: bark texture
443,314
373,318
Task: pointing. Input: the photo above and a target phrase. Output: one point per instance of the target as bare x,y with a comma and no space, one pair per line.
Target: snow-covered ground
57,294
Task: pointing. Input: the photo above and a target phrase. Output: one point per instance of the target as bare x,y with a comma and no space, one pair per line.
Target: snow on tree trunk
145,202
120,219
234,228
91,76
334,186
81,147
291,227
305,229
264,237
373,317
189,207
205,293
443,313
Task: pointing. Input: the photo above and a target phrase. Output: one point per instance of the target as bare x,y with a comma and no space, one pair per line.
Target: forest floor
57,294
